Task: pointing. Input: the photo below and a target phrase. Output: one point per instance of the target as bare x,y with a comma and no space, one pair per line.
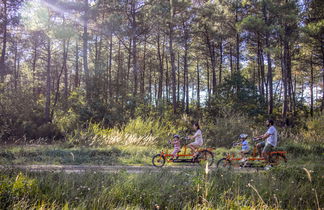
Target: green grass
281,188
58,154
298,155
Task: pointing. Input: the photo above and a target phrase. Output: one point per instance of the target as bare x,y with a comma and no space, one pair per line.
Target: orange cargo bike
276,157
204,156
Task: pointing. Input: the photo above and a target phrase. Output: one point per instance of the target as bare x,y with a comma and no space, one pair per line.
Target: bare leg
259,147
193,149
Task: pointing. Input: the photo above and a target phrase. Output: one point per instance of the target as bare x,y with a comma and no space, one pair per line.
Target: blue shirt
245,145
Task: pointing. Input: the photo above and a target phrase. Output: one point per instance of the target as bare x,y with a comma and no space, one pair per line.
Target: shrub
315,130
224,131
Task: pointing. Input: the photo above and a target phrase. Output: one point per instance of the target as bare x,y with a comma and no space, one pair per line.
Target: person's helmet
243,136
176,136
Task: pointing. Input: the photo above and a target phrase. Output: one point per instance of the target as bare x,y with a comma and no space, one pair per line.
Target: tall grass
277,189
138,131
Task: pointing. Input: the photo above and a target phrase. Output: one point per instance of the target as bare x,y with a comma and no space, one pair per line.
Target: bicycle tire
158,161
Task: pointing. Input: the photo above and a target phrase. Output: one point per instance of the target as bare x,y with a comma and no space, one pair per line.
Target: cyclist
271,137
198,139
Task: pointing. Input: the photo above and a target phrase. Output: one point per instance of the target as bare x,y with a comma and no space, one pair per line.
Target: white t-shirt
272,139
198,137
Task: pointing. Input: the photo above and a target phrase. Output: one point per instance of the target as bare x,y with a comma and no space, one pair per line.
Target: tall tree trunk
15,73
231,60
48,82
66,85
134,37
178,78
4,42
287,80
167,85
322,50
76,80
161,60
173,68
118,85
85,49
150,82
187,93
110,65
237,43
198,85
270,80
220,61
312,85
143,71
129,63
185,70
208,79
34,67
261,69
211,49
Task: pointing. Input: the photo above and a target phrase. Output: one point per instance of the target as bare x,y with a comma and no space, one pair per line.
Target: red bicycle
275,158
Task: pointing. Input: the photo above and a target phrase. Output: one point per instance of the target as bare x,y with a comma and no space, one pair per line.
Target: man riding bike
271,137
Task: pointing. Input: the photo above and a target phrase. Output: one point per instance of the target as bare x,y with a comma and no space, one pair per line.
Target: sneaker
267,167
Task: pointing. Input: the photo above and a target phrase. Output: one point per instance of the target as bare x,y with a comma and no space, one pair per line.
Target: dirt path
106,169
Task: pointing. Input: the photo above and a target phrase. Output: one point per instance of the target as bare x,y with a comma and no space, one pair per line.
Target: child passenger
177,146
245,146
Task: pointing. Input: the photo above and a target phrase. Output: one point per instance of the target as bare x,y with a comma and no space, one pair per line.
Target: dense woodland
109,61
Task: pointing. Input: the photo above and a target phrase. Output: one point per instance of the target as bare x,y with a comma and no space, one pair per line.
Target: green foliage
224,131
15,189
315,130
236,94
22,117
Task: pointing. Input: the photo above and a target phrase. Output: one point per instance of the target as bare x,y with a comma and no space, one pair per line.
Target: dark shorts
267,148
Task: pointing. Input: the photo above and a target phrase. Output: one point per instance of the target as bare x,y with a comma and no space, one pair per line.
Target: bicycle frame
254,156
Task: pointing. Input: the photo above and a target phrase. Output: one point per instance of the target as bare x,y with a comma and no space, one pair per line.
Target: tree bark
185,72
270,77
143,71
211,48
208,79
161,60
76,79
220,62
48,82
311,86
4,42
178,78
65,56
85,49
198,86
237,44
134,38
34,67
110,65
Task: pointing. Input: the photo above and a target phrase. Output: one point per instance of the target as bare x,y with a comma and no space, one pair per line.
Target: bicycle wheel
224,163
158,160
278,159
205,157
